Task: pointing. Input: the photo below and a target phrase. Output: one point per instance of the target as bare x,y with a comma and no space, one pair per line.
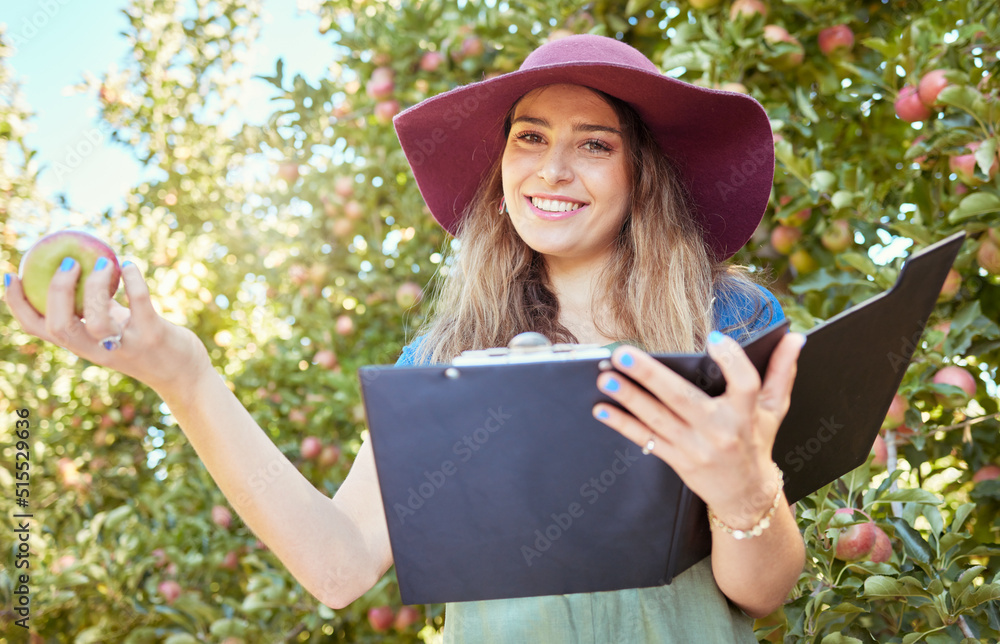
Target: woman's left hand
719,446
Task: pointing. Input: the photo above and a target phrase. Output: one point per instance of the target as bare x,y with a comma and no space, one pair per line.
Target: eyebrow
582,127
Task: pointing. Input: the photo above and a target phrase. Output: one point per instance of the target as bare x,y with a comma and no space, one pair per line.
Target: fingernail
804,338
611,385
715,337
101,263
127,262
603,414
67,264
627,360
6,280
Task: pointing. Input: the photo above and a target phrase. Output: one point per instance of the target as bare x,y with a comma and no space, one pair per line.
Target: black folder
498,483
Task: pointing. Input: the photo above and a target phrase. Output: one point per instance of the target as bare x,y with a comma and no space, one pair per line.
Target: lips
550,208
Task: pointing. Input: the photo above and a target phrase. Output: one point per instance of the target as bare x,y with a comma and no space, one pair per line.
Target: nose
556,167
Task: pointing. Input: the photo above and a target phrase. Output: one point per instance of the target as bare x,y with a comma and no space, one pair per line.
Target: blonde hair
658,285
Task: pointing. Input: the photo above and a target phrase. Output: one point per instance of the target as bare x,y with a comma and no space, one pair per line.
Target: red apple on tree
170,590
231,561
958,377
344,186
328,456
856,541
381,84
931,85
989,472
897,412
222,517
952,282
881,451
289,172
909,106
837,237
964,165
431,60
385,110
325,358
408,294
881,552
344,325
802,261
380,618
774,34
835,39
406,617
747,9
988,256
310,447
43,259
784,238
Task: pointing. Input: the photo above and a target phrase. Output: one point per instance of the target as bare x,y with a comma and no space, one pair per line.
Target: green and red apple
40,264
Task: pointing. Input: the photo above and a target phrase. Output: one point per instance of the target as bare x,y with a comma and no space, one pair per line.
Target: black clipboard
498,483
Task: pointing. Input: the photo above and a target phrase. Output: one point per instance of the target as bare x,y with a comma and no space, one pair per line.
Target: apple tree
299,249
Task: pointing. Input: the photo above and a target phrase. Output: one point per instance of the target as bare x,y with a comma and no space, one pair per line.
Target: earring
503,205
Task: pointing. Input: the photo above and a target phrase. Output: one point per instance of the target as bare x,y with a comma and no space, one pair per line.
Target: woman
573,223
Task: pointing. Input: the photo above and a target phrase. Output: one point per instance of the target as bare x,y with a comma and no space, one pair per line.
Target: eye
529,137
596,145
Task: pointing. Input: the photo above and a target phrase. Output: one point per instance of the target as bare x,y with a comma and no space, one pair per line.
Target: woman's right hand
153,350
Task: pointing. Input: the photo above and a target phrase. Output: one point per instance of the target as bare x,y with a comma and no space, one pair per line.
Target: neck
574,285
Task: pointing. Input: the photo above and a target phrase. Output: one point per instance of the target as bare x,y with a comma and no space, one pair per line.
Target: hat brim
719,142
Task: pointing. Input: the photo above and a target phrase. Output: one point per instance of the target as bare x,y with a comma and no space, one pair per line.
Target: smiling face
565,173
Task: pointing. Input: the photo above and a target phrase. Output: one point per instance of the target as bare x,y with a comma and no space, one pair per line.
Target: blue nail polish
715,337
627,360
127,262
101,263
612,385
603,414
6,280
67,264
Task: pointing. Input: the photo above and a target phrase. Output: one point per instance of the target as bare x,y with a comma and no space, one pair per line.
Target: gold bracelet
760,526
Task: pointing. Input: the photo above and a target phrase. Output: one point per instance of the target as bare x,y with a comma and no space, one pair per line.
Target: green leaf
986,155
983,594
882,586
962,97
960,585
915,546
821,280
842,199
838,638
887,49
978,203
805,106
822,181
910,495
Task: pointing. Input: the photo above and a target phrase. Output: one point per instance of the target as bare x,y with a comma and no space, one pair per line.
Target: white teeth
552,205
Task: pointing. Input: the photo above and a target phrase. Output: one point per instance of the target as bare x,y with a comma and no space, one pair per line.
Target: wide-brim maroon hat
719,142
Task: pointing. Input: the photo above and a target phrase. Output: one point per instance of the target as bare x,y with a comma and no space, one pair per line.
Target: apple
774,34
559,34
353,209
344,325
221,516
881,552
385,110
170,590
471,47
408,294
988,256
325,358
964,165
802,261
957,376
701,5
881,451
747,9
40,263
835,39
298,416
989,472
328,456
952,282
837,237
431,61
897,412
231,561
856,541
381,84
380,618
289,172
734,87
344,186
160,558
909,107
310,447
406,617
931,85
783,238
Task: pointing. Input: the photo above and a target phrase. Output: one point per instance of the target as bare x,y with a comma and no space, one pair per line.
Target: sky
59,41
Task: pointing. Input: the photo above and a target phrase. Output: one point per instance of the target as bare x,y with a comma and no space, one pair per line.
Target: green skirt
690,609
